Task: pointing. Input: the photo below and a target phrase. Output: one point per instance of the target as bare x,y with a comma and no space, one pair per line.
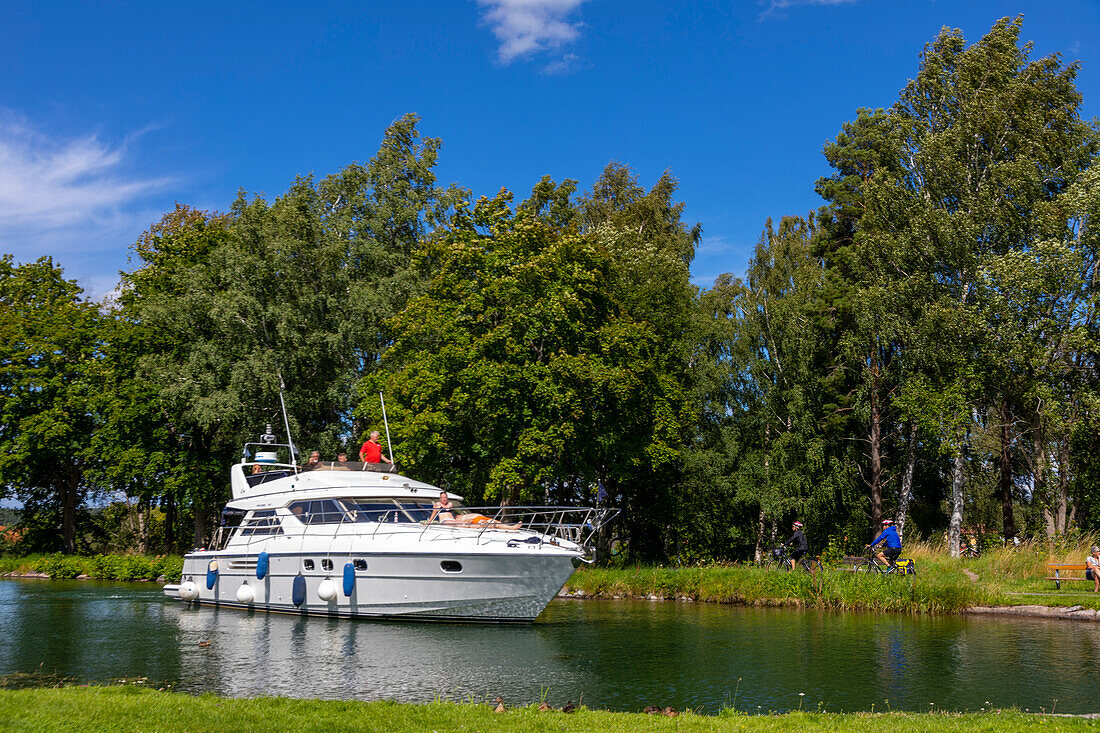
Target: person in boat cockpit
342,458
371,452
314,459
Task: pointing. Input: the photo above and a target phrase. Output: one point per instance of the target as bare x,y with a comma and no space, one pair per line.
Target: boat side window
259,478
360,564
372,511
321,511
326,564
261,521
307,564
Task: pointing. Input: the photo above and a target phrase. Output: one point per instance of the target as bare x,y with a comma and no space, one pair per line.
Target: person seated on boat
478,519
797,544
1092,568
342,458
314,460
256,468
371,452
443,509
889,534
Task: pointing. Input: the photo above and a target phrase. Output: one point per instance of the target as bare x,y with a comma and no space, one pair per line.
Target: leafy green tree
228,308
966,167
516,377
50,375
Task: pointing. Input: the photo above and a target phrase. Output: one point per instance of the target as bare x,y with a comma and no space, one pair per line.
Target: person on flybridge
371,452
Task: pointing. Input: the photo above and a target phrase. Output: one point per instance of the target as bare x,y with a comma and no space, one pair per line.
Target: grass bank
1001,577
142,709
101,567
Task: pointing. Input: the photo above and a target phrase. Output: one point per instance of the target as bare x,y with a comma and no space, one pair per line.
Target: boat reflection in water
245,654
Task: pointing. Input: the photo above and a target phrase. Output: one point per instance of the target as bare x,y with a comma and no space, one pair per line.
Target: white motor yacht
352,539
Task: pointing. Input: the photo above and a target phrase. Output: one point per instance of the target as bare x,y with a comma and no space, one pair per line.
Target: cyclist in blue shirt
889,535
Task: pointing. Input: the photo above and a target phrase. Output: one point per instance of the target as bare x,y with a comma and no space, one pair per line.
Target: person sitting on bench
1092,568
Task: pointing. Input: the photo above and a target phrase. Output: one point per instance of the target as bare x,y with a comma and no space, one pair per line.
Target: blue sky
112,112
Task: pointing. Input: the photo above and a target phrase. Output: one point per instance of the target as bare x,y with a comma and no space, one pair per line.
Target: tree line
923,346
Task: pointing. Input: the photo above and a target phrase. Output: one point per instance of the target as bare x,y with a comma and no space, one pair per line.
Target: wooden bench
1059,569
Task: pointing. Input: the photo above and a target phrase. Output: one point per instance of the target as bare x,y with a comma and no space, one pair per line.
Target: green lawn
119,709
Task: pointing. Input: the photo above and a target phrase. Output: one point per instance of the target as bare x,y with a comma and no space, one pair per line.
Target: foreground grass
141,709
1002,577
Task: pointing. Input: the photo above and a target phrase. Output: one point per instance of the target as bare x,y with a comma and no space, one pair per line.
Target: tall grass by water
1001,576
135,708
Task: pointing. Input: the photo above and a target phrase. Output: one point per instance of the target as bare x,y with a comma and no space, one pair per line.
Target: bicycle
779,558
902,566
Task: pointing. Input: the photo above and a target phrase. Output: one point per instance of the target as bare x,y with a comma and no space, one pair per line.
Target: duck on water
353,539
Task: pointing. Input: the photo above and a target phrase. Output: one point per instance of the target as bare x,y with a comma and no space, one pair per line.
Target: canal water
618,655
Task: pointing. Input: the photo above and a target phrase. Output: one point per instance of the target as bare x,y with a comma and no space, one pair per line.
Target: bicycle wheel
782,565
811,566
866,567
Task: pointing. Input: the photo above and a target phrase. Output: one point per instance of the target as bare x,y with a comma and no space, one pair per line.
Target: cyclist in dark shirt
797,544
890,536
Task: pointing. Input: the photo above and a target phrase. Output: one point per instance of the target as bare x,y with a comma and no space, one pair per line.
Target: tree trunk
758,553
1063,486
68,514
954,529
907,479
170,524
143,527
200,527
1006,474
876,450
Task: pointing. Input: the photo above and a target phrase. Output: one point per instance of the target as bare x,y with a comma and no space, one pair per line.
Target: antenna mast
386,422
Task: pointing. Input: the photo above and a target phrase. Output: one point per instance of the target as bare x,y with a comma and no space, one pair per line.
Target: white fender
326,591
188,591
245,594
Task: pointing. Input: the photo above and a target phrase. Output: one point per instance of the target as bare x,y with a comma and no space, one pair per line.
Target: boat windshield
375,510
389,510
318,511
419,511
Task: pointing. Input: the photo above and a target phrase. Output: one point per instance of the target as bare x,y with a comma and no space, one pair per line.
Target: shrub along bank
101,567
131,708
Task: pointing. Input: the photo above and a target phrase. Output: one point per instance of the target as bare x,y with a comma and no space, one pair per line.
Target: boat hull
485,587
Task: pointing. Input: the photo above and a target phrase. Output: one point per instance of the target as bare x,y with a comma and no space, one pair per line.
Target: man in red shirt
371,452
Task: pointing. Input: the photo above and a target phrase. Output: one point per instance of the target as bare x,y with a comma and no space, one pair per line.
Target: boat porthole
307,564
360,564
451,566
326,564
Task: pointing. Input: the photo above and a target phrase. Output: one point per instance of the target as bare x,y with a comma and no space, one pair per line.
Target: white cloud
48,183
776,7
74,198
527,27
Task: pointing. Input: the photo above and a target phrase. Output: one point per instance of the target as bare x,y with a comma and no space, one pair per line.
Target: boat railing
576,525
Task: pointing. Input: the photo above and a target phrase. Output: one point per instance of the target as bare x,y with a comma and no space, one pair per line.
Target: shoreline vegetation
999,580
1009,581
132,707
123,567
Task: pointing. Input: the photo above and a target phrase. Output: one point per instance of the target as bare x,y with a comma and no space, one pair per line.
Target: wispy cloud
48,183
528,27
70,197
776,7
